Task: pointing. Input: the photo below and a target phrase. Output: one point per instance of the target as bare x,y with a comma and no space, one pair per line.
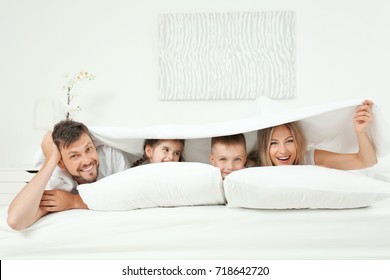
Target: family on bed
71,158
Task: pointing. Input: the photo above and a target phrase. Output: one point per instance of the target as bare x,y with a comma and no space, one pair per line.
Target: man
71,158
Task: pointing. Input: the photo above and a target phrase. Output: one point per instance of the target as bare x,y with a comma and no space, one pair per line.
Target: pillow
153,185
302,186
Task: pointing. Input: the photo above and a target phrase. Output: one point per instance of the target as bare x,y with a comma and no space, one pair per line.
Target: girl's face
164,151
283,149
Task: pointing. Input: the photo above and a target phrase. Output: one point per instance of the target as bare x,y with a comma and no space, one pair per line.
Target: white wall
343,51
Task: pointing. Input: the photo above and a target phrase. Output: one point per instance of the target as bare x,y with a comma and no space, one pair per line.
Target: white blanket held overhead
327,126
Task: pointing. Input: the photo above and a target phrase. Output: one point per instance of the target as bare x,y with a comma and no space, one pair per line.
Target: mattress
203,233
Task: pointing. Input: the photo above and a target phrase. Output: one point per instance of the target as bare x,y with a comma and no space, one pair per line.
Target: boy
71,158
228,153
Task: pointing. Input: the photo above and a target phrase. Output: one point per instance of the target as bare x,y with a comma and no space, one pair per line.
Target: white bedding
328,126
203,232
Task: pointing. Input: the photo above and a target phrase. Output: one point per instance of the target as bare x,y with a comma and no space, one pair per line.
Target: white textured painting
227,55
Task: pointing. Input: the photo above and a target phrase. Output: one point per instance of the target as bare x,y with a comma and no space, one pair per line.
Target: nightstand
12,181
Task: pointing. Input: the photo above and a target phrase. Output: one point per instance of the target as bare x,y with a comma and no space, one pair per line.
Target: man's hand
49,148
59,200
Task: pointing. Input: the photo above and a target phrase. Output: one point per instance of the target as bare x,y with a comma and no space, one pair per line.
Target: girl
161,150
286,145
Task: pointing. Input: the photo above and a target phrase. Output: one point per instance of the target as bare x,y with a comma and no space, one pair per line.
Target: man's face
228,158
81,160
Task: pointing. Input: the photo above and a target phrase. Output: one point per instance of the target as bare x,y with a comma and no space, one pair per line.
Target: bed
199,216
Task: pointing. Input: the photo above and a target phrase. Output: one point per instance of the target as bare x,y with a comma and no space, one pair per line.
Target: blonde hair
262,158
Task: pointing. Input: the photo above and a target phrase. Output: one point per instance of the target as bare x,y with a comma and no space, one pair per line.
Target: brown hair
229,140
261,156
67,132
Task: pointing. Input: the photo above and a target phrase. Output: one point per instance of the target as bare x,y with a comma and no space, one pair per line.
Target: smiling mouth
283,159
87,168
224,174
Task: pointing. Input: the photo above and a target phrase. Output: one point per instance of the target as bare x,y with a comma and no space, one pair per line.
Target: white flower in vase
70,82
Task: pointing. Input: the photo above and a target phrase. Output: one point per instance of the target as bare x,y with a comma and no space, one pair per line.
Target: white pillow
302,186
154,185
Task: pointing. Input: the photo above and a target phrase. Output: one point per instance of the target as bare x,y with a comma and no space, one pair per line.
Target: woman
286,145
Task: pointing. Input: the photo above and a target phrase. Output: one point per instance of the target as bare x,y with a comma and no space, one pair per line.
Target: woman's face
283,149
164,151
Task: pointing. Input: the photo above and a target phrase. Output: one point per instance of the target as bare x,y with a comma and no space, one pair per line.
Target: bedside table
12,181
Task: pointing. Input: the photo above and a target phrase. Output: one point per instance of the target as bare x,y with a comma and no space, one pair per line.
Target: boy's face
228,158
81,160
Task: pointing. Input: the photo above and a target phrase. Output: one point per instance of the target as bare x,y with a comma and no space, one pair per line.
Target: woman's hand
363,116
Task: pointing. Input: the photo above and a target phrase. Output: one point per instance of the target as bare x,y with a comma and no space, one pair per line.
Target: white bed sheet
203,232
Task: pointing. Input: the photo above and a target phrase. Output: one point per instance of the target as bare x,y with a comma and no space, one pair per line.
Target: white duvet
328,126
